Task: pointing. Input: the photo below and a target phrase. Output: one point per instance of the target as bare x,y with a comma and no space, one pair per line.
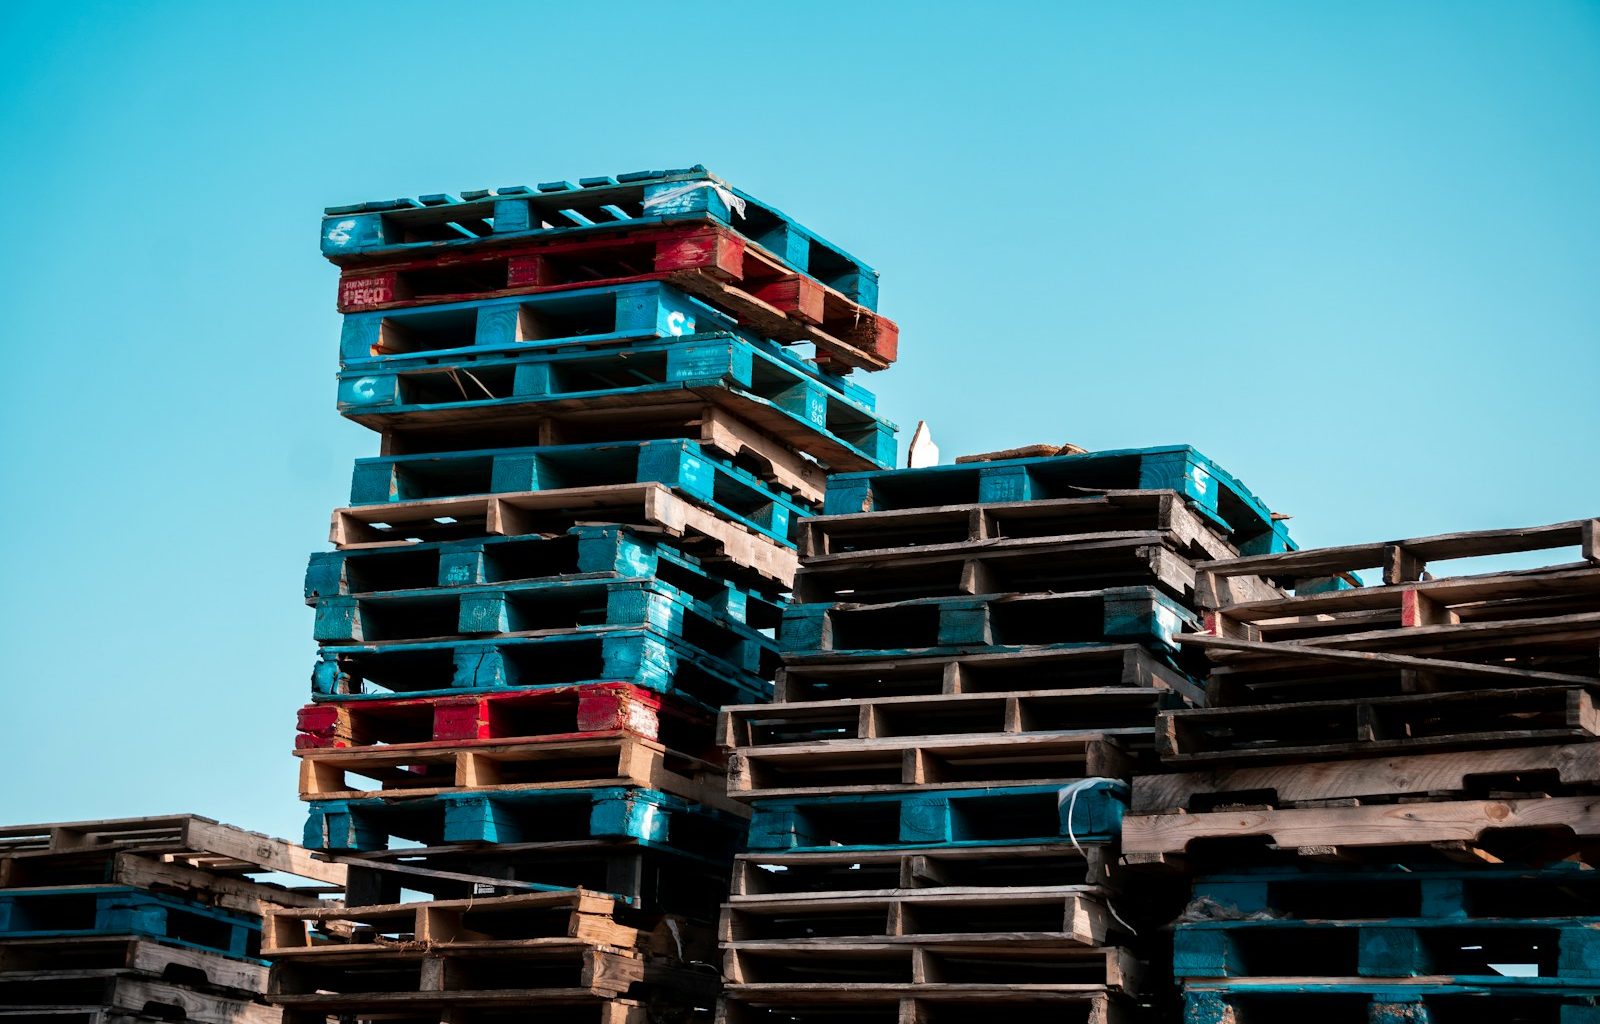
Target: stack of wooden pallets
106,922
1392,801
604,408
970,678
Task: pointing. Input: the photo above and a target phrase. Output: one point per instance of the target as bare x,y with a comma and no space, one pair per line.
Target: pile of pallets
1392,799
106,922
604,409
971,676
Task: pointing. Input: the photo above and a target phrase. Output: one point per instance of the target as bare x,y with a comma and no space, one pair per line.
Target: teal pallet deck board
628,813
354,232
642,657
91,911
1141,614
806,412
1210,489
681,465
1088,812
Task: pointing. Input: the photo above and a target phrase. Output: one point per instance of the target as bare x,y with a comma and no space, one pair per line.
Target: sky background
1348,250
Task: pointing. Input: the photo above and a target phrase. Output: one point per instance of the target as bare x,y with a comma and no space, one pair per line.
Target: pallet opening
447,476
831,769
1286,952
1132,709
303,978
875,583
1557,894
1020,967
1046,620
410,618
425,330
824,965
535,559
1069,868
789,1013
849,824
530,611
558,317
999,818
634,369
465,278
391,570
752,926
396,671
807,728
764,879
895,534
1521,952
1321,1008
378,725
897,681
901,626
552,268
933,719
978,917
64,912
450,385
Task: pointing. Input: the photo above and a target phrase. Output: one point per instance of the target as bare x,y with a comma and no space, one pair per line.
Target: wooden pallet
1413,723
635,656
533,512
1089,812
1209,489
924,626
826,875
112,998
563,712
910,764
423,1011
1364,1001
889,719
450,227
1043,917
93,912
523,815
1546,769
40,958
741,282
1400,561
433,769
1062,667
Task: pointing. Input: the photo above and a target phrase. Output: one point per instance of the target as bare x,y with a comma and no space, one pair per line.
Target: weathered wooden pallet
559,713
1450,601
1031,565
93,911
1038,916
513,816
1438,894
1542,770
1361,1001
1107,515
890,719
1042,667
1412,723
353,934
927,625
581,552
1565,821
1078,811
24,961
189,858
826,875
639,657
1400,561
98,997
682,465
361,233
658,879
729,626
904,764
432,769
1215,494
427,1011
744,553
846,966
715,387
1563,951
925,1003
736,282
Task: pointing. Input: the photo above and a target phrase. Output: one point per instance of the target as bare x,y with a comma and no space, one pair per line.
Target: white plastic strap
723,192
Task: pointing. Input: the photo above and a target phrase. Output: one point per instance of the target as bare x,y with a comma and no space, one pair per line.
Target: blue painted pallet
1564,889
1089,812
644,816
605,315
1506,1001
641,657
808,411
1208,487
554,608
1141,614
593,552
1564,950
93,911
388,227
681,465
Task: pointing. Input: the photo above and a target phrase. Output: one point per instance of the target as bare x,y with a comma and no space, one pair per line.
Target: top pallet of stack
362,232
1212,491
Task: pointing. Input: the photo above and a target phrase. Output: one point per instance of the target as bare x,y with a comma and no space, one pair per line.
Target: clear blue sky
1349,250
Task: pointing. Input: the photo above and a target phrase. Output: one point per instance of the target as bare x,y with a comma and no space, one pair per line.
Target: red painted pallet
708,261
568,712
